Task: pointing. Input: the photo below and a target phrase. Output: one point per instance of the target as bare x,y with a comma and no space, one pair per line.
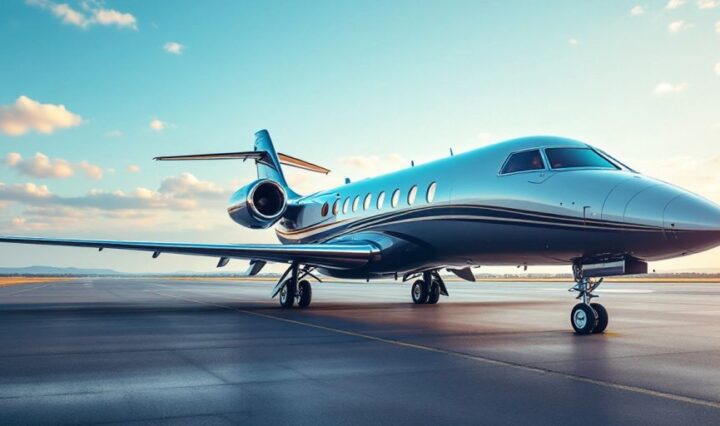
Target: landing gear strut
295,289
587,317
428,289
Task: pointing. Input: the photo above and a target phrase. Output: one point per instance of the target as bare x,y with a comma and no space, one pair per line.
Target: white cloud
132,168
666,88
91,171
69,15
92,14
157,125
26,114
24,192
674,4
113,17
637,10
41,166
188,186
173,47
677,26
573,42
708,4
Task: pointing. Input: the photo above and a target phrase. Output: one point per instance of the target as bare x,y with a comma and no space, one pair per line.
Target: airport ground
161,351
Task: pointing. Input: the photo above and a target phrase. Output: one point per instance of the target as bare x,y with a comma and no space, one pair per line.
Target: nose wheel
586,317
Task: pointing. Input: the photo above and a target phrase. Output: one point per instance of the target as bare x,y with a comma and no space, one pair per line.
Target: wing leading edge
330,255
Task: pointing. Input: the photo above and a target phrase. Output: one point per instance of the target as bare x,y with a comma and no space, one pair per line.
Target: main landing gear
428,289
294,290
586,317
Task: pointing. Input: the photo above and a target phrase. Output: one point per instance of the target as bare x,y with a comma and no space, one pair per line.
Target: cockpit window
565,158
523,161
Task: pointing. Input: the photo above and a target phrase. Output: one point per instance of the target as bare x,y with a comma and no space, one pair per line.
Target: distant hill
52,270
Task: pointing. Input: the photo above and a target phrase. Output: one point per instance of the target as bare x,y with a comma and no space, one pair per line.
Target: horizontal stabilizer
258,156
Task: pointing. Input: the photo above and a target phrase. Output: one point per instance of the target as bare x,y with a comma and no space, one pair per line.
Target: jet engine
258,205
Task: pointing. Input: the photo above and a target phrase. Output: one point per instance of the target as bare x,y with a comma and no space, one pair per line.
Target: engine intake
258,205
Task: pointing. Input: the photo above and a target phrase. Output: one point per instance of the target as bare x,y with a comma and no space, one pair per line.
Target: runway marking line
490,361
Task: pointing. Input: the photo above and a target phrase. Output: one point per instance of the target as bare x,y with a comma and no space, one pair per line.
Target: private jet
531,201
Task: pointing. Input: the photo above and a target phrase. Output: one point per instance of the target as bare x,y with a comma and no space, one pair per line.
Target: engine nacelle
259,204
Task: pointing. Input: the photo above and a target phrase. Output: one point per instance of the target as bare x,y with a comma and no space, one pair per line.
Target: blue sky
362,87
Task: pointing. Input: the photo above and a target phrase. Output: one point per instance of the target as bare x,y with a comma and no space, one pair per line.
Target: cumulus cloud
674,4
114,17
25,192
573,42
188,186
677,26
708,4
173,47
91,171
132,168
92,13
665,88
637,10
176,193
157,125
27,114
41,166
68,15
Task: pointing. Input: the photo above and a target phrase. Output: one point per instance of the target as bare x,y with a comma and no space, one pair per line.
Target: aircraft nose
693,222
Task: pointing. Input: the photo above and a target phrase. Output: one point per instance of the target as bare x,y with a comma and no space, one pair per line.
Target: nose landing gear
586,317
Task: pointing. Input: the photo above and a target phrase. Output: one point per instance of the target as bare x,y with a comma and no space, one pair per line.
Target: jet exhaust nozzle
259,204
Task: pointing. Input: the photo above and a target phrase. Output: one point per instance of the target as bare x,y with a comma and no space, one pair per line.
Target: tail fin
270,168
267,160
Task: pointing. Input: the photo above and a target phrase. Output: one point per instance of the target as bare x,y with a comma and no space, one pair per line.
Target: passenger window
380,200
523,161
411,195
565,158
346,205
430,196
335,207
366,201
356,202
324,210
395,198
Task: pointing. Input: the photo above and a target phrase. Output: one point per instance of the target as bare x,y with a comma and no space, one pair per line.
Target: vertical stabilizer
270,169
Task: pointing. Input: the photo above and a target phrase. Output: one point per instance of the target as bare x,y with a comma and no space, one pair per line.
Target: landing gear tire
434,295
305,294
419,292
583,318
602,314
287,295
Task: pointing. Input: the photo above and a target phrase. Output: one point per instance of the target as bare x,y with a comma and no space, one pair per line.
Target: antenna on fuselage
451,152
412,163
347,180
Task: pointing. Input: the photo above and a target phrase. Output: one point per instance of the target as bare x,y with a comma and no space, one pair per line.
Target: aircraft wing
347,255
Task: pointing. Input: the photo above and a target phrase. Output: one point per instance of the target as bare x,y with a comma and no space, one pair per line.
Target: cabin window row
354,203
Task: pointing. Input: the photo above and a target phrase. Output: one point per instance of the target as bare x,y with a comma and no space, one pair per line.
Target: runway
135,350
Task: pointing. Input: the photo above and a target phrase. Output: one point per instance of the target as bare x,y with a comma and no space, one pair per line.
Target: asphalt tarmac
197,352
